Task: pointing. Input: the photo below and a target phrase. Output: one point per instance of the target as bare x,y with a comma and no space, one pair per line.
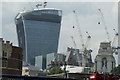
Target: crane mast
79,30
105,27
114,47
115,38
73,41
88,39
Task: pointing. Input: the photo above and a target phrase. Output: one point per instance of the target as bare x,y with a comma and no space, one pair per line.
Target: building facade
10,59
29,70
58,60
38,33
105,61
72,57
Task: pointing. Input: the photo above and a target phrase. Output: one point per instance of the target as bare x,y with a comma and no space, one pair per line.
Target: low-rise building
74,60
10,58
30,70
58,60
105,61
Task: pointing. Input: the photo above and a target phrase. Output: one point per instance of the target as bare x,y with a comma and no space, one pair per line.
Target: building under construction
72,57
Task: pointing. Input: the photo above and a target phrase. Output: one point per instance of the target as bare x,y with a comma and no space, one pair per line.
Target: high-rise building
38,33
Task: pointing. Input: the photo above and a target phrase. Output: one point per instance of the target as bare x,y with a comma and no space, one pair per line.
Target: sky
88,18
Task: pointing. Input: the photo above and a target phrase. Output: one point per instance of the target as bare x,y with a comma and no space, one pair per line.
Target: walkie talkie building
38,33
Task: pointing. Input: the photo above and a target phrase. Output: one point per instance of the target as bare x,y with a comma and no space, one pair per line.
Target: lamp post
65,72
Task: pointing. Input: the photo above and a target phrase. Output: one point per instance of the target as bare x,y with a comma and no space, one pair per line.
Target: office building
38,61
49,58
38,33
10,59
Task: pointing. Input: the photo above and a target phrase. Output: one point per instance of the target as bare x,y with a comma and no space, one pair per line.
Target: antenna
45,4
38,5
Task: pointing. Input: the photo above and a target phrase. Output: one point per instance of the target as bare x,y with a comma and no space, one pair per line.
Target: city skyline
88,19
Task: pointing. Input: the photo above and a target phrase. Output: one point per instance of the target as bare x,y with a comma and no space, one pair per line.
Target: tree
116,70
55,70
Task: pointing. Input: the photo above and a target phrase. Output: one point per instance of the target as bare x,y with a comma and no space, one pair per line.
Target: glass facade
38,33
38,61
50,57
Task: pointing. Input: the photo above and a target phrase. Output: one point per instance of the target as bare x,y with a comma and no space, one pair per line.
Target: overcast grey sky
88,16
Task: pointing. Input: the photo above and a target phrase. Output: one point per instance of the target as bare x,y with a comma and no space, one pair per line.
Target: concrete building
105,61
74,60
38,33
10,59
78,57
58,60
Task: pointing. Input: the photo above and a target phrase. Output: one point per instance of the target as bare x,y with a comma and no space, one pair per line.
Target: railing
15,77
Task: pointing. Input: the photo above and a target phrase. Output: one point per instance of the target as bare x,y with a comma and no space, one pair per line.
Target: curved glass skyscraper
38,33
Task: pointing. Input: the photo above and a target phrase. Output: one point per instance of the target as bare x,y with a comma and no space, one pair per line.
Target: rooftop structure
73,60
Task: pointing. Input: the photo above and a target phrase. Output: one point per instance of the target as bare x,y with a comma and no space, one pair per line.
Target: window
112,64
104,62
4,64
4,54
105,48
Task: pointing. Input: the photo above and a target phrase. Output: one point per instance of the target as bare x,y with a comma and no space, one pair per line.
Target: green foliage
55,70
116,70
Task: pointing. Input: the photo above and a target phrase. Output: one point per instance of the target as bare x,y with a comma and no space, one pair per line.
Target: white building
105,61
76,69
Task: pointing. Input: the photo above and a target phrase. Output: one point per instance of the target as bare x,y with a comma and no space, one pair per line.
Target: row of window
56,12
5,64
4,54
10,79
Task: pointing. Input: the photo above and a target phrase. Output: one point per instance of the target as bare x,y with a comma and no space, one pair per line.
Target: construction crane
79,30
85,52
115,38
88,39
105,27
76,51
84,45
114,46
73,41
